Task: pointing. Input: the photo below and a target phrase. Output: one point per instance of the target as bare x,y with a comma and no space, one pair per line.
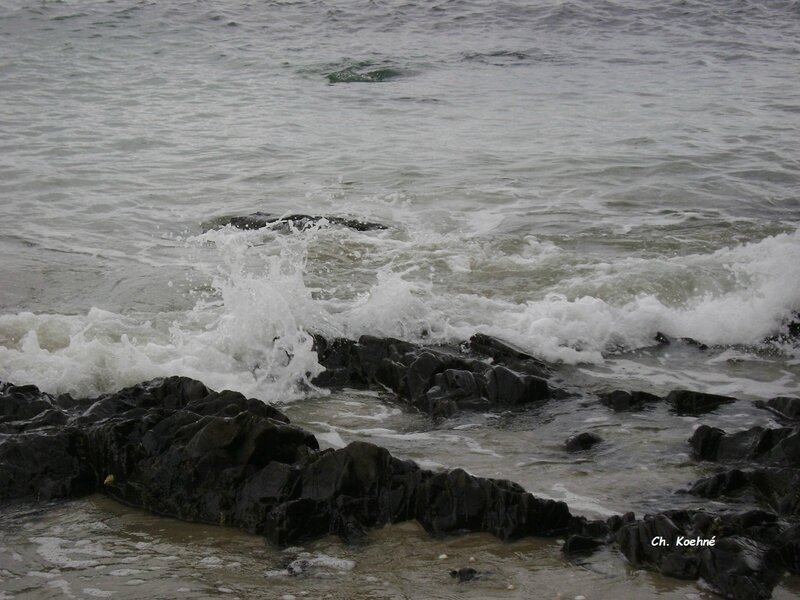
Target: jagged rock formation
438,381
176,448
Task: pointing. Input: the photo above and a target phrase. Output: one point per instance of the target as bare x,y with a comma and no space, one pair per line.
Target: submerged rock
685,402
578,545
259,220
354,75
465,574
437,380
582,441
623,401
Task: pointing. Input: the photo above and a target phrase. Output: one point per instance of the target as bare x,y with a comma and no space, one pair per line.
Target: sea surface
570,176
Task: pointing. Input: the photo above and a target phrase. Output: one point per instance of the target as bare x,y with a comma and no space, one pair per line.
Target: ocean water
570,176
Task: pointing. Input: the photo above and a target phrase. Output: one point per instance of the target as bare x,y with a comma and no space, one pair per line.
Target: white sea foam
250,331
56,552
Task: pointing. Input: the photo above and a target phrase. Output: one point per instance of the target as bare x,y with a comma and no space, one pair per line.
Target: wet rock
686,402
617,521
581,545
778,447
622,401
730,484
789,548
777,489
595,529
786,408
455,501
20,402
465,574
506,354
582,441
735,554
693,342
259,220
662,339
174,447
789,331
358,75
511,388
45,465
741,568
665,340
437,380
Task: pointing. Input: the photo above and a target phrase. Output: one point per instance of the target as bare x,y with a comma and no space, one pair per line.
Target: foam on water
245,338
250,330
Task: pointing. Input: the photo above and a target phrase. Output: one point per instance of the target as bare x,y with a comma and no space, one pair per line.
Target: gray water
569,176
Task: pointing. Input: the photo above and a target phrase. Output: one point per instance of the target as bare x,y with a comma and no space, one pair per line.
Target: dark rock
577,545
662,339
176,448
622,401
582,441
437,380
789,331
455,501
617,521
777,489
789,548
786,408
730,483
741,562
20,402
465,574
355,75
741,568
635,539
454,390
686,402
695,343
45,465
665,340
778,447
594,529
509,388
259,220
506,354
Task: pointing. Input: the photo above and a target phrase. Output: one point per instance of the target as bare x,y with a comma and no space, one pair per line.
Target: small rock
685,402
582,441
465,574
580,544
620,400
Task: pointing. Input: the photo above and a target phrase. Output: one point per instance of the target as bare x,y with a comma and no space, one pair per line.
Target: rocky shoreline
176,448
